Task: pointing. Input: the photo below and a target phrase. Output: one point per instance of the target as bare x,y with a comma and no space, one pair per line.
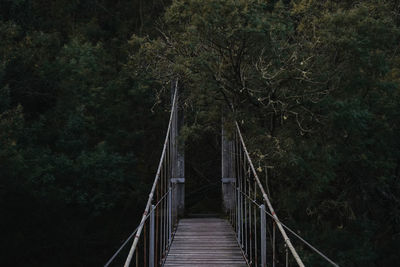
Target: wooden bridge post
177,158
228,176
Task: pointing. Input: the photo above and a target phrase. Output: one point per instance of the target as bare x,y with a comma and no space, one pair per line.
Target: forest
85,99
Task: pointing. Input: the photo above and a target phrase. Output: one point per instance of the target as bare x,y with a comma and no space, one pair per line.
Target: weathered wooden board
204,242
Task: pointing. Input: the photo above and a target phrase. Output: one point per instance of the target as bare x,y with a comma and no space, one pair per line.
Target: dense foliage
315,87
313,83
75,127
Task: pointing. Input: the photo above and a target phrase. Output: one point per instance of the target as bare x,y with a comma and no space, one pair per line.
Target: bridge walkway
201,242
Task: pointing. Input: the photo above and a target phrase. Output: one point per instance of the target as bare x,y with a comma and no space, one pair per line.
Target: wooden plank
201,242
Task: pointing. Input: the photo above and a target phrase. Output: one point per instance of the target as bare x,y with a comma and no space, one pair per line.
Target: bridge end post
228,178
177,158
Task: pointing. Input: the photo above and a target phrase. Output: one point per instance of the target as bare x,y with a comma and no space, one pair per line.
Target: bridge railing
249,215
153,236
260,234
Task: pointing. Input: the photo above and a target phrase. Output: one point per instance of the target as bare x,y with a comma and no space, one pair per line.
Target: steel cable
291,231
133,233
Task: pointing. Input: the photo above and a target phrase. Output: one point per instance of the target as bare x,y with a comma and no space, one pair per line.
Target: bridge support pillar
177,159
228,177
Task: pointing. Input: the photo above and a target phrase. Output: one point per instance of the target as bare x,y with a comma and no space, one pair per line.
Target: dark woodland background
84,104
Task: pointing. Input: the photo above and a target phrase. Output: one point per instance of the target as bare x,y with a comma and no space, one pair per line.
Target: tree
312,83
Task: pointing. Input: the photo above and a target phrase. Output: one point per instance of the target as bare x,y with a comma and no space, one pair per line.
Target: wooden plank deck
205,242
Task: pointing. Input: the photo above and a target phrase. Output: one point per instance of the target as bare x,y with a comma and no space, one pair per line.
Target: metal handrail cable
146,211
131,235
265,196
290,230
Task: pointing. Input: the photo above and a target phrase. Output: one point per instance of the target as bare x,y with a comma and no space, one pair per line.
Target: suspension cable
150,199
265,196
291,231
131,235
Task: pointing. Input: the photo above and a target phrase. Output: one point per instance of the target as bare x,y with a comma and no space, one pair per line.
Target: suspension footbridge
249,234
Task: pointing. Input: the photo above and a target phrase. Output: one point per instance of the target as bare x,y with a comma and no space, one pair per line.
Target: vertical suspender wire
161,220
164,217
265,196
244,237
240,201
255,224
168,181
236,180
165,213
241,196
234,184
169,216
237,214
247,211
173,159
172,209
175,147
167,184
157,225
250,227
168,178
174,151
233,187
273,244
245,205
146,211
165,204
170,171
230,214
232,192
237,187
